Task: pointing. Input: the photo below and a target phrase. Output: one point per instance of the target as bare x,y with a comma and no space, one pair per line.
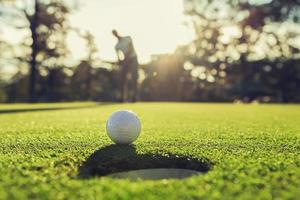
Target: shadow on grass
11,111
119,158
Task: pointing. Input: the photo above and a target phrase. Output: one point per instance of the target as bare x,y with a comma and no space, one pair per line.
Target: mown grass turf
255,150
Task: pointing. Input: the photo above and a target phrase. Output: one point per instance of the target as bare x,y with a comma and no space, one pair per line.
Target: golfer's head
116,34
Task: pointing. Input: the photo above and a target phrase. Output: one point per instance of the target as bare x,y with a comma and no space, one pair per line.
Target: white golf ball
123,127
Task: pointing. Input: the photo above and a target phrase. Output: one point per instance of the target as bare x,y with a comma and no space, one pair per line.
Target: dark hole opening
118,158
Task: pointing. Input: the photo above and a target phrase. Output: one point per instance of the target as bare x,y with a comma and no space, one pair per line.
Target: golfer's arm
119,60
120,57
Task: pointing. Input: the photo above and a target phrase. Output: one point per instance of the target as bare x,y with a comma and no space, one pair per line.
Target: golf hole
123,162
155,174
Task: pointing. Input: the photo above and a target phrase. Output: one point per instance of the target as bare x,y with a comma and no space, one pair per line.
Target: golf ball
123,127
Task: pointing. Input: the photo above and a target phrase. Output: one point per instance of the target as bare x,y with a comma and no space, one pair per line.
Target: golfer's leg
134,80
123,74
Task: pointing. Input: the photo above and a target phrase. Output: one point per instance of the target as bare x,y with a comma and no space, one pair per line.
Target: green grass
254,150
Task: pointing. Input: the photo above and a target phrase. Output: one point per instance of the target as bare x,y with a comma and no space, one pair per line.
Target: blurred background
188,50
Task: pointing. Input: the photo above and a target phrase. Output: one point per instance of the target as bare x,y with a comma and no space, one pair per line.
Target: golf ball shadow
122,161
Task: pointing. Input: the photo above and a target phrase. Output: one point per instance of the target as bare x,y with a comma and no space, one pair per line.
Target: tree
47,23
83,74
238,45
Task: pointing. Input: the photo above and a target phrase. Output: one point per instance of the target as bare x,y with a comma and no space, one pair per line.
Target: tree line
243,51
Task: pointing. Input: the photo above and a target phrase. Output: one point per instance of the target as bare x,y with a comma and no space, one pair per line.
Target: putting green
61,151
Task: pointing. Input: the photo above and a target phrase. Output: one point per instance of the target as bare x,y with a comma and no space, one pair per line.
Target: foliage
238,45
45,45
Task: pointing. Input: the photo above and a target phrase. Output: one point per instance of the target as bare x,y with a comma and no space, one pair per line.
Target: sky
156,26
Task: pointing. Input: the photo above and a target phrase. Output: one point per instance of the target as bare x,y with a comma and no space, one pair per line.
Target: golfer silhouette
128,62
